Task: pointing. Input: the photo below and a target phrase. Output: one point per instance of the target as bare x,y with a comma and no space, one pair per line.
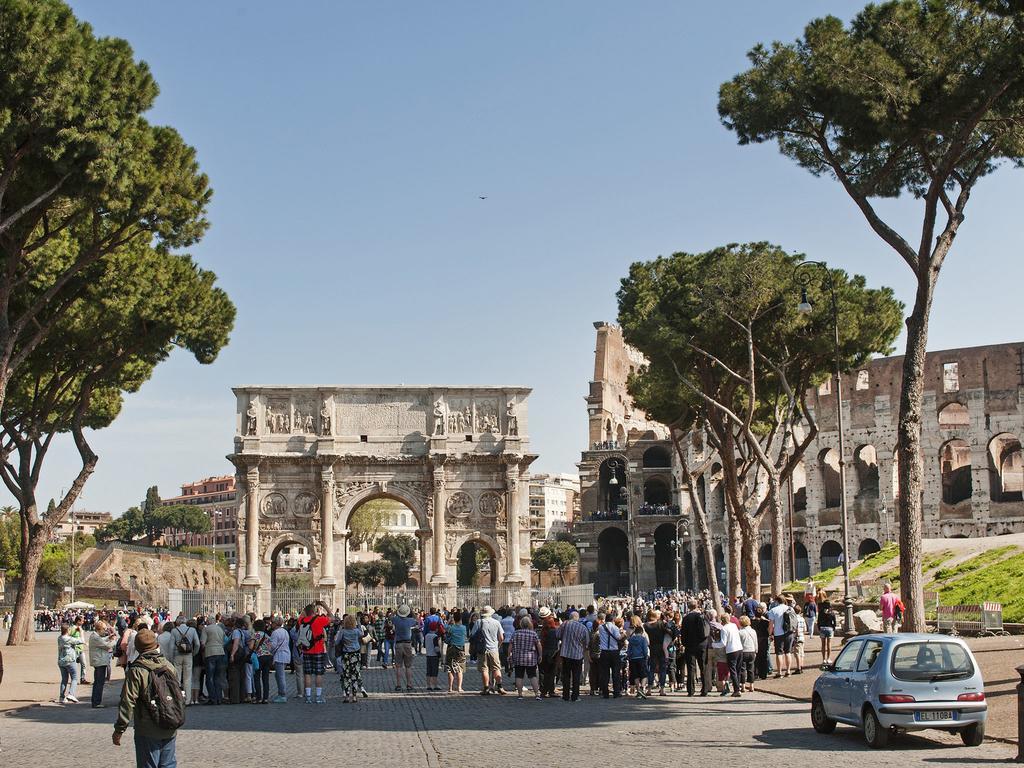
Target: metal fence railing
206,602
471,597
577,595
983,619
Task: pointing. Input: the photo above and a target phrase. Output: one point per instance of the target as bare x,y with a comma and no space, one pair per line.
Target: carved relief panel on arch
487,416
303,417
492,507
277,417
274,505
306,505
460,416
460,505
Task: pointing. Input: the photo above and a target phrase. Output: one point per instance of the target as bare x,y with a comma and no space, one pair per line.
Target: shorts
433,664
526,672
637,669
490,662
826,631
455,660
314,663
784,643
403,654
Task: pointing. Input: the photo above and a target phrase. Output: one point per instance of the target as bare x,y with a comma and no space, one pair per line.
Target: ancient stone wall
972,460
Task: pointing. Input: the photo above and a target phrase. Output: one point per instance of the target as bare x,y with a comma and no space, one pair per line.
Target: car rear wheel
819,718
973,734
876,736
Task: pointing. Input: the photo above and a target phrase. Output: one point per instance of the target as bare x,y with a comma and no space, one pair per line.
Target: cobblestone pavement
431,729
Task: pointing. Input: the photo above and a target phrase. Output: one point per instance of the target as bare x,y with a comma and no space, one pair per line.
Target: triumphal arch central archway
308,457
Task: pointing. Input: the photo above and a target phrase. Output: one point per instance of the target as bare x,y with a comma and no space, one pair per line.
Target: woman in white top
733,647
749,638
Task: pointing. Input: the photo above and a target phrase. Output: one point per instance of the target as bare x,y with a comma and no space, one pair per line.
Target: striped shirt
575,639
524,648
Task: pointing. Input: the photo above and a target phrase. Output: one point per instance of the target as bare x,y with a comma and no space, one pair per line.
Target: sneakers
72,699
320,700
364,694
280,700
309,700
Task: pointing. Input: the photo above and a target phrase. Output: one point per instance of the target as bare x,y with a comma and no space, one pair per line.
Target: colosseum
635,530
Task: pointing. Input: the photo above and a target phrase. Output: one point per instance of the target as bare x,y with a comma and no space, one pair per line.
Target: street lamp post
74,529
804,277
677,542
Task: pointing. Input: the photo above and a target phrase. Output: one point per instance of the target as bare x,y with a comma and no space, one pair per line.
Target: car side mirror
830,667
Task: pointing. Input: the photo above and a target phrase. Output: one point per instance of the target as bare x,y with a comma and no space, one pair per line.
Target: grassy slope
995,575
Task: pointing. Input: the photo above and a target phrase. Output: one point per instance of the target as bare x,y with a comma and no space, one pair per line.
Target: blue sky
348,144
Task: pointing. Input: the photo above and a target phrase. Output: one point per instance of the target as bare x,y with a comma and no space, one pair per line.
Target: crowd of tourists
659,644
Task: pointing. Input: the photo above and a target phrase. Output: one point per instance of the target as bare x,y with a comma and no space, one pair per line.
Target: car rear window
931,661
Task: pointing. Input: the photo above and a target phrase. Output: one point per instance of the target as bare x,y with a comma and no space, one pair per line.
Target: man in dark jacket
154,746
694,633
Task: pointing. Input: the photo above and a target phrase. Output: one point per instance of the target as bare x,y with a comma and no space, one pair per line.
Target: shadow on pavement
847,739
438,713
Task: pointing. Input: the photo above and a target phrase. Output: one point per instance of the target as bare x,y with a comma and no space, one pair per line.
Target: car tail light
895,698
979,696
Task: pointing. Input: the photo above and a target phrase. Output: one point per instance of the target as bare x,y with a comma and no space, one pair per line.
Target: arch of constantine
307,457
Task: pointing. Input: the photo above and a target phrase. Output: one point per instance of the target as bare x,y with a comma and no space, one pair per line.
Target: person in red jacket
312,644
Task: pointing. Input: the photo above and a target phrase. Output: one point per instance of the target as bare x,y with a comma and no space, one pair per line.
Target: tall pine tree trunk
751,563
909,469
737,541
22,624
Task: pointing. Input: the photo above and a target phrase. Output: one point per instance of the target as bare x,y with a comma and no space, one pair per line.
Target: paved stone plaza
423,729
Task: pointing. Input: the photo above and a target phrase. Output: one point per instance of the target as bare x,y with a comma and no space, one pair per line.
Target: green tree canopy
82,173
128,320
923,97
555,555
10,541
184,518
369,574
729,350
55,568
126,528
398,551
368,522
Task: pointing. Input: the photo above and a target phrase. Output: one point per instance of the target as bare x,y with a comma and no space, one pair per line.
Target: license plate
937,714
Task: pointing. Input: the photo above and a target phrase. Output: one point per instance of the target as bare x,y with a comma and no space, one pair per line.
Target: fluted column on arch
439,575
514,496
252,527
327,573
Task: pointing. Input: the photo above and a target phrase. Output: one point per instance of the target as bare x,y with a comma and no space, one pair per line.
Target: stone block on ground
866,621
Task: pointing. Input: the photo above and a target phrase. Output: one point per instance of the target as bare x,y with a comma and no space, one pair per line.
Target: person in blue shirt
638,649
455,657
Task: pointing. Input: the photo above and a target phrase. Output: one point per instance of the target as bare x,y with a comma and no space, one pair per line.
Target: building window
863,379
825,388
950,377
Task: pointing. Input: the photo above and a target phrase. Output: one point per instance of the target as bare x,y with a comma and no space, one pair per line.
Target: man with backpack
312,644
151,699
783,626
185,645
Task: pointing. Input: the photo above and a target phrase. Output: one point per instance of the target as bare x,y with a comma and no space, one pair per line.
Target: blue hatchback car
902,682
